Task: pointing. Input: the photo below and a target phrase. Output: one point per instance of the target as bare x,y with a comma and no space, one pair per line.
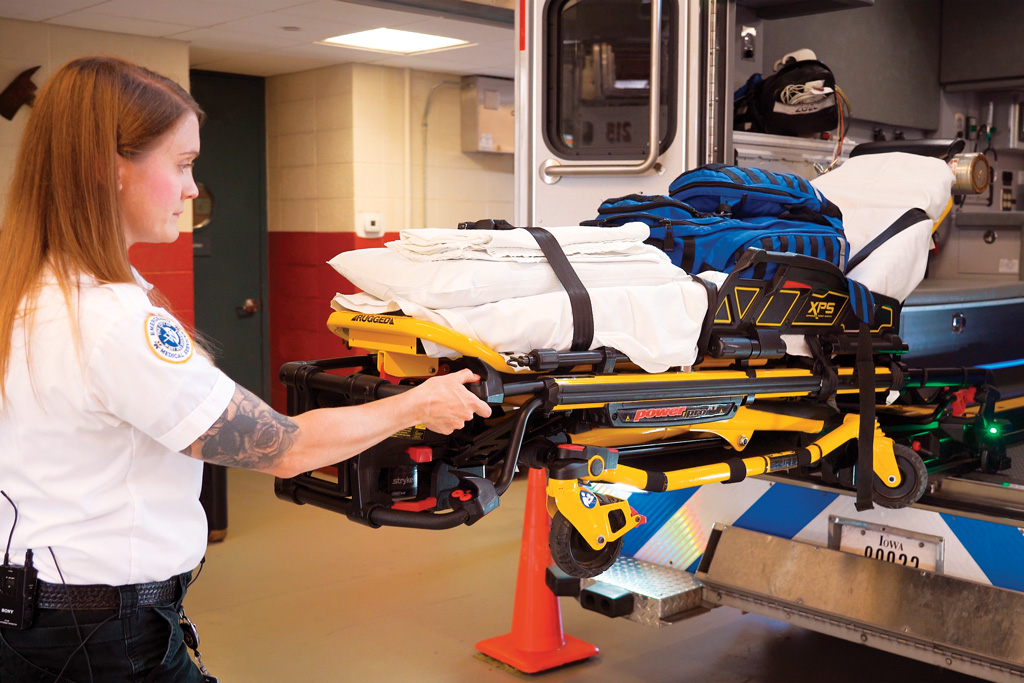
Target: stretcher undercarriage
596,423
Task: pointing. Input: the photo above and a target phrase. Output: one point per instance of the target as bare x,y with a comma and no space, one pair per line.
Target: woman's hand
446,403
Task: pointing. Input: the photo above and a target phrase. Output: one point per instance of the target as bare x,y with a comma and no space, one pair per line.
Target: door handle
552,168
248,308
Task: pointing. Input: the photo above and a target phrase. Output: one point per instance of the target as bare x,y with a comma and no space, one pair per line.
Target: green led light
1006,484
993,430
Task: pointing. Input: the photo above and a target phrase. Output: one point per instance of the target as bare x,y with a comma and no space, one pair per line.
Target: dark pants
133,644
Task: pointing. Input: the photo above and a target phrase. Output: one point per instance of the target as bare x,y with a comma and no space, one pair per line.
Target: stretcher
850,414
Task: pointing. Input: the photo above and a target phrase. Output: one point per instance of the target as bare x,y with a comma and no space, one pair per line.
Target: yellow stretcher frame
594,524
396,339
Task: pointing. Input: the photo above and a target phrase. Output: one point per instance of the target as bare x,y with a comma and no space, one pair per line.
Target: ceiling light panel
395,42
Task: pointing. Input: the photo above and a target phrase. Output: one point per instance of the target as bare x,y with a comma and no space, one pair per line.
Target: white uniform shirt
91,437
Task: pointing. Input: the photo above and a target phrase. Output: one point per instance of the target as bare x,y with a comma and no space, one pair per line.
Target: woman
104,393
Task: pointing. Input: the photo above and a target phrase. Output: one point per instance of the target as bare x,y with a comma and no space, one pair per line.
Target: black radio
18,594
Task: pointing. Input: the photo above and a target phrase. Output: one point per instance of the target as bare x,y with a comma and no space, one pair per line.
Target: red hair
63,209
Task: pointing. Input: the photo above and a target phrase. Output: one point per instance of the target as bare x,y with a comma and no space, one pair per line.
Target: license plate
887,544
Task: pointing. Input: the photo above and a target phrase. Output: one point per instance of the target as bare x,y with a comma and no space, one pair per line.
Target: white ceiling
267,37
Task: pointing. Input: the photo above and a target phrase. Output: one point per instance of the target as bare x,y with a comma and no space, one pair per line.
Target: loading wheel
913,480
573,554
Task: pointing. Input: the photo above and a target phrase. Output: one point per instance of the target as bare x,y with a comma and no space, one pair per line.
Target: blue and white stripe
679,523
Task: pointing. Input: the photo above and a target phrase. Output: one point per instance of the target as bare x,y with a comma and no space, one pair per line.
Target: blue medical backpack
748,192
715,212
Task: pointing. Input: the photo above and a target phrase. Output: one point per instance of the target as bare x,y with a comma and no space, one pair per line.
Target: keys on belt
190,635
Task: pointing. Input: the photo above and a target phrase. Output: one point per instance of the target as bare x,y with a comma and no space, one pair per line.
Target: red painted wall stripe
168,267
301,288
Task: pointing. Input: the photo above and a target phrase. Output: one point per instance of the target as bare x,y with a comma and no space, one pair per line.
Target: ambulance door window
597,72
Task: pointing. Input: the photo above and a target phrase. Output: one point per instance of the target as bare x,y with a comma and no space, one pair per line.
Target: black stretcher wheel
913,481
573,554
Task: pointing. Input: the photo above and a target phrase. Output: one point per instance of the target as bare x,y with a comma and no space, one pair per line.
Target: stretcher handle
382,516
917,378
941,149
754,256
306,376
369,388
515,444
316,493
360,387
408,519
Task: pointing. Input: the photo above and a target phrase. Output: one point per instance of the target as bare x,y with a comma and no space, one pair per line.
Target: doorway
229,246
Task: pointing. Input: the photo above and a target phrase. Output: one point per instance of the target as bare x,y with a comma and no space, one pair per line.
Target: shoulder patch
168,339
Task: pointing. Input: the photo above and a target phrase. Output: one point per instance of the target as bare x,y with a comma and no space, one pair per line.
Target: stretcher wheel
573,554
913,480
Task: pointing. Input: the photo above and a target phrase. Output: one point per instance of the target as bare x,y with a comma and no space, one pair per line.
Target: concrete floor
295,593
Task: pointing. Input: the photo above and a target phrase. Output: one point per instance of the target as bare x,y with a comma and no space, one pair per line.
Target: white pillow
452,284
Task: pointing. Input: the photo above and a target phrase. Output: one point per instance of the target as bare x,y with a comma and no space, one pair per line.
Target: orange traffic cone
536,642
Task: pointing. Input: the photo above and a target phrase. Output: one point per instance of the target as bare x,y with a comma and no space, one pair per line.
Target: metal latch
959,323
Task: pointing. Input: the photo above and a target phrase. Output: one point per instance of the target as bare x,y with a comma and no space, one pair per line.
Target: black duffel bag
799,99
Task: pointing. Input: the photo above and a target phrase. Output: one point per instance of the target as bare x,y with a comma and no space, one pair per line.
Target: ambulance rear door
584,111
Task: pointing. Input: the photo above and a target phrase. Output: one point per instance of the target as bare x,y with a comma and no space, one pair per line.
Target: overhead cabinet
981,41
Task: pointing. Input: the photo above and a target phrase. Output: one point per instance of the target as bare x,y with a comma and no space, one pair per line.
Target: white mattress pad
506,296
656,326
387,274
874,190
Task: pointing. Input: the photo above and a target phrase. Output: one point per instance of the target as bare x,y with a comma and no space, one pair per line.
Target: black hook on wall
21,91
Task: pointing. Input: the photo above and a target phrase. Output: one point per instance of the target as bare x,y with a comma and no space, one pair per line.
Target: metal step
660,595
949,622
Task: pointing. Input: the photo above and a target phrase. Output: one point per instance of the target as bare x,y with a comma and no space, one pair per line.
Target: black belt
61,596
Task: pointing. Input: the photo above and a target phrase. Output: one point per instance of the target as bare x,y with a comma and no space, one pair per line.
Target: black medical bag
784,102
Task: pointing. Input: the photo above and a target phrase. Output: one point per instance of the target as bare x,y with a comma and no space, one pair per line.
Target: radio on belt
18,594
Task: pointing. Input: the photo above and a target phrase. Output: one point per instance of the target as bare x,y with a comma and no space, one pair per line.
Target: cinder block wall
349,139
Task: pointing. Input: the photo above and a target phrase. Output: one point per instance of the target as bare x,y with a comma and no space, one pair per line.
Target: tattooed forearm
249,434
